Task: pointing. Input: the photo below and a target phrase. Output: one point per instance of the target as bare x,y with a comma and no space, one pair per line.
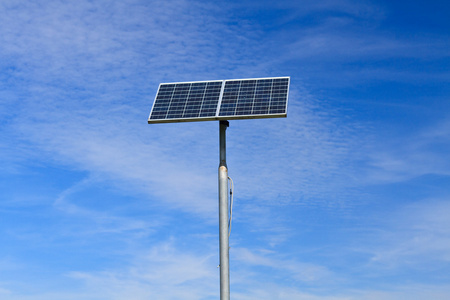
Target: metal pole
223,217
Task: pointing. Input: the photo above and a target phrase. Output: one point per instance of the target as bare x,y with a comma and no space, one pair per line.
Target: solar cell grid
220,100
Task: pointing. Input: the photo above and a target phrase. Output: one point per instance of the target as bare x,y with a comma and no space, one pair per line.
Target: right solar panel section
266,97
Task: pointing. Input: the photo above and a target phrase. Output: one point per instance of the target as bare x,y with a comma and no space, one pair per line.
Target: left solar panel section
186,101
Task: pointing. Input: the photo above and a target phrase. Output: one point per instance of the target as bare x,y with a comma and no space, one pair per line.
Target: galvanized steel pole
223,217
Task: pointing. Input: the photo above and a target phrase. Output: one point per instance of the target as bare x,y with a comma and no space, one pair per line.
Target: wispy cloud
162,273
418,236
96,222
290,268
417,154
92,134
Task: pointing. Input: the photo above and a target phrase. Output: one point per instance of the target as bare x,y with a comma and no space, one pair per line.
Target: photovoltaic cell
220,100
186,100
252,97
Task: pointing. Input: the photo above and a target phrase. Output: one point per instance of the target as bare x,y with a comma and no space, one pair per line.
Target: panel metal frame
219,103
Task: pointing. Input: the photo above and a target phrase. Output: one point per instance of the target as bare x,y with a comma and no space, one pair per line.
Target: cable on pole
231,205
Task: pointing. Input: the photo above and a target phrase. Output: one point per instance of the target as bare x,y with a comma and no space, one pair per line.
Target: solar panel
220,100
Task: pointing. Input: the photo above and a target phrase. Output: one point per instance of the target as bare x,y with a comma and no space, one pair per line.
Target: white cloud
294,270
412,155
418,236
97,221
163,273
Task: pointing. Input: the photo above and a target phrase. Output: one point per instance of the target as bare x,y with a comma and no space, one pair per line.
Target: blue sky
346,198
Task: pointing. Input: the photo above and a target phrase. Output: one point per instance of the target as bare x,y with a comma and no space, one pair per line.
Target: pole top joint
225,122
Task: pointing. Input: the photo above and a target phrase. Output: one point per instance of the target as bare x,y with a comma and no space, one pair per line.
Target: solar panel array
220,100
